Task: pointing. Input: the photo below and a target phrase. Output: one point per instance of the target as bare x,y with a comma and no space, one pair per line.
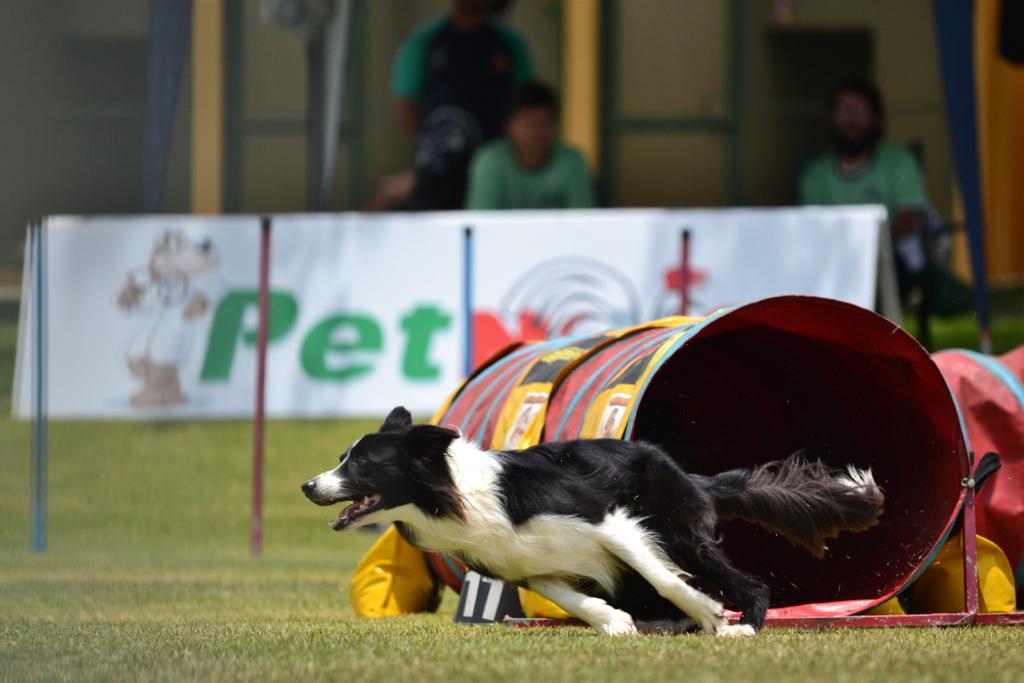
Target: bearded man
862,168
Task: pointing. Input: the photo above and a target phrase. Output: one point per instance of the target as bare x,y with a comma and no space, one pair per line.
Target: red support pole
684,273
259,420
970,552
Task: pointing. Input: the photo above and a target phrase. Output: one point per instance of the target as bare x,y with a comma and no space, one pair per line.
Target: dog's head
179,256
401,465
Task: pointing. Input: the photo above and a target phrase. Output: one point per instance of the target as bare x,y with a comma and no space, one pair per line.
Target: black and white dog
609,530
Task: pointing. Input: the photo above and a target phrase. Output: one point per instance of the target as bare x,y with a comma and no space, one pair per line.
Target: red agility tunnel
990,392
744,386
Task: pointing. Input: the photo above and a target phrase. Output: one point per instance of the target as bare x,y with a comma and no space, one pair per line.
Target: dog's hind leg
594,611
628,541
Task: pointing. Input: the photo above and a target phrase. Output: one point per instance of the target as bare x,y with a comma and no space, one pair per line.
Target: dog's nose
308,487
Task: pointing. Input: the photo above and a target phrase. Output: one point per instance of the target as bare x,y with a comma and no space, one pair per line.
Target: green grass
429,649
148,577
962,332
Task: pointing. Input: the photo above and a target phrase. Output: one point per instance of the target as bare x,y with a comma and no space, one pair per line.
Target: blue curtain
170,28
954,29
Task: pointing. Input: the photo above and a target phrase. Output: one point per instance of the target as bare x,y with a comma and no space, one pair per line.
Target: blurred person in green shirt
862,168
529,168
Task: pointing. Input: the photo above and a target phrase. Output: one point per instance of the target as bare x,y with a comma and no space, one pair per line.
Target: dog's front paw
736,631
621,624
710,615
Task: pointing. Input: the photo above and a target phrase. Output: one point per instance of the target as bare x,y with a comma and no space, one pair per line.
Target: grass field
148,577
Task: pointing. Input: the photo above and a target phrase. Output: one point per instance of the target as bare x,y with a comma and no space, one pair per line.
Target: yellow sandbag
892,606
941,587
392,579
536,606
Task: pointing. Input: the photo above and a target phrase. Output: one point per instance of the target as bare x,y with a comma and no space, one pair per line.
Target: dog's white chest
546,545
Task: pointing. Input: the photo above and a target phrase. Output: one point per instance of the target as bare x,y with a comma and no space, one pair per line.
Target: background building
707,103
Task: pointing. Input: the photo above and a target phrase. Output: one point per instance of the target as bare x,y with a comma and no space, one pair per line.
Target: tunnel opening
792,373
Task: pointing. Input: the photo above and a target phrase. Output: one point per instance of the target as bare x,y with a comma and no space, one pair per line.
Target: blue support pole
467,298
954,33
39,384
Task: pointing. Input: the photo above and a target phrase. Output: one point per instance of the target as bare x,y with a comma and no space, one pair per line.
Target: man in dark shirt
450,79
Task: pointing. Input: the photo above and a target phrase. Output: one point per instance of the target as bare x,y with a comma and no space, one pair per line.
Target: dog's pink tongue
341,521
345,516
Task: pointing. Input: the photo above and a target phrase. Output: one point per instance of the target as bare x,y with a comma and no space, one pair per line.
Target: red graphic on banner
696,277
554,311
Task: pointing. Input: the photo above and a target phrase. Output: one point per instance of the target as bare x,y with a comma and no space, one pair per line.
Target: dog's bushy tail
807,502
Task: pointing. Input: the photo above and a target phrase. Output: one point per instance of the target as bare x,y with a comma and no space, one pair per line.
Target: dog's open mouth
358,508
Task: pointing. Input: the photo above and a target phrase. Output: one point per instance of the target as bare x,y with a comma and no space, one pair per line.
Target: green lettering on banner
419,326
361,333
226,330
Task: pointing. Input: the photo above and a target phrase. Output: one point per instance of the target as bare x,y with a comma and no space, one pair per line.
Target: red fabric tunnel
755,383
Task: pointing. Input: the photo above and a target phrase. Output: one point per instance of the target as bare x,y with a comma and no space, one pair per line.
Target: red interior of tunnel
798,372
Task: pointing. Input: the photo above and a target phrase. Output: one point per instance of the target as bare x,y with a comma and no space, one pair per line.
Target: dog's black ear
430,440
398,420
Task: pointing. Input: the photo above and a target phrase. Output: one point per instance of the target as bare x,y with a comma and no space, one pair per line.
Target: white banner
155,316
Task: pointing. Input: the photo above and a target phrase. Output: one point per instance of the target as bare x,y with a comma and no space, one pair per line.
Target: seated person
528,168
450,80
862,168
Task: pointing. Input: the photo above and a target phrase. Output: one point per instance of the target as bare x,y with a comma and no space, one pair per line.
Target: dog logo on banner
167,297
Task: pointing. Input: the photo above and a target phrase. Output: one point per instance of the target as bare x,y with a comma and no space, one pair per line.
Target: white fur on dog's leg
594,611
709,614
633,545
736,631
621,624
